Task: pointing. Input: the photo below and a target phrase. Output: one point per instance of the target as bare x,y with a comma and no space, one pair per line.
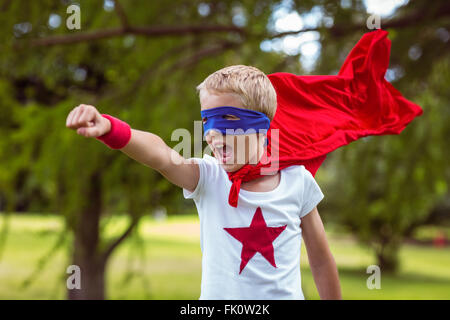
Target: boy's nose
213,135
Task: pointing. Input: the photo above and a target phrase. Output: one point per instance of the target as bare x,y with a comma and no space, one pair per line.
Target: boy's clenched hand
88,121
144,147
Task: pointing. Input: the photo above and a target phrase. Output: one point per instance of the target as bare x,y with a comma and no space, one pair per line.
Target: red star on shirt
256,238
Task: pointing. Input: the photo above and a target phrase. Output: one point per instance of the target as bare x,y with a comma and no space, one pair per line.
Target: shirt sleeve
312,194
207,170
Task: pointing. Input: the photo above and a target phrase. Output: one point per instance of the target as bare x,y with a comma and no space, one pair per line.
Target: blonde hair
250,84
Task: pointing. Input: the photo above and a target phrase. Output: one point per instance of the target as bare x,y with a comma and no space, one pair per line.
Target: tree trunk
387,257
86,254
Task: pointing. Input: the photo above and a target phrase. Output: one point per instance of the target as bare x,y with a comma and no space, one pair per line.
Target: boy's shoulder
210,158
294,170
298,174
206,158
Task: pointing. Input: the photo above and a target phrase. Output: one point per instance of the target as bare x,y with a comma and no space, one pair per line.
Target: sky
306,44
284,19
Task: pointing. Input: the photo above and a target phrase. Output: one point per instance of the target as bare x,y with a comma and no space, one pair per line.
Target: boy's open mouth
223,152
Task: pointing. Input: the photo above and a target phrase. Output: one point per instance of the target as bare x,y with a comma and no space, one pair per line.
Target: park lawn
164,262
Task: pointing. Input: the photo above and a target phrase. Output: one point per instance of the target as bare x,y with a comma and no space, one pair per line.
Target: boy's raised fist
88,121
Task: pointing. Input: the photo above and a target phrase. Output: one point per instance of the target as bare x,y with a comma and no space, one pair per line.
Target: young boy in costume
257,197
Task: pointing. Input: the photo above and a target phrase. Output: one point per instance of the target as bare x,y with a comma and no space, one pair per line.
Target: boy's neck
263,184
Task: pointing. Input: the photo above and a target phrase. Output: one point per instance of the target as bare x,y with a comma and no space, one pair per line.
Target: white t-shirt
252,251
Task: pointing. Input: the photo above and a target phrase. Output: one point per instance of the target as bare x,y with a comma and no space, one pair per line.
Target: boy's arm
150,150
321,260
144,147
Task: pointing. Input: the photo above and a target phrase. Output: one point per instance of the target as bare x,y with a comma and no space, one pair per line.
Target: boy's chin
231,167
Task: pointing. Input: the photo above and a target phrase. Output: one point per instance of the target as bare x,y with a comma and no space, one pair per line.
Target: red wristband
119,135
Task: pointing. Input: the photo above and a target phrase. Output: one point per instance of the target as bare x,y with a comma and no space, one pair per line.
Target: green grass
165,263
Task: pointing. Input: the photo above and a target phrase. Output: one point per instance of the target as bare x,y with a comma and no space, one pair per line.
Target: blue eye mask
216,119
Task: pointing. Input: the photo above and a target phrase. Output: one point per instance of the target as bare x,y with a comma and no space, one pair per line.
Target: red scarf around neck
318,114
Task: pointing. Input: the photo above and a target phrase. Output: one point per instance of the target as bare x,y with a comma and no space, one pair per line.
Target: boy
251,251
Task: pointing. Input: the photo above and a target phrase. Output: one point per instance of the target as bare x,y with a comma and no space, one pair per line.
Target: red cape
318,114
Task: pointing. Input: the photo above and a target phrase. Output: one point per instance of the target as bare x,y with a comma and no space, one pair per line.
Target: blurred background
68,200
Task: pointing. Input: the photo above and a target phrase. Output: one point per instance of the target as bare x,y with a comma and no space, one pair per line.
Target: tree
394,183
140,72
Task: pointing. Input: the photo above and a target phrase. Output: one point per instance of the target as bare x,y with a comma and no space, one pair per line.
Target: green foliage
381,186
167,264
393,183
